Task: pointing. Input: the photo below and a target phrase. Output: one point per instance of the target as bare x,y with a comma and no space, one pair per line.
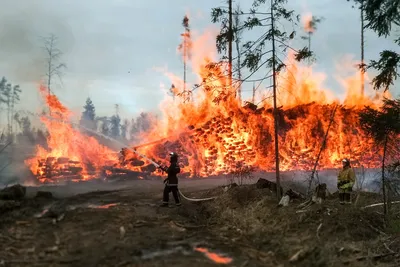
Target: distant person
171,183
346,180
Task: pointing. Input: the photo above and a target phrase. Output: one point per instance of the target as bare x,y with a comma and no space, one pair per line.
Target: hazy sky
112,48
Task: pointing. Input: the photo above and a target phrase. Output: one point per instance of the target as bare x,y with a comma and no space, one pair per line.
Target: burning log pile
228,142
217,135
52,168
130,164
225,143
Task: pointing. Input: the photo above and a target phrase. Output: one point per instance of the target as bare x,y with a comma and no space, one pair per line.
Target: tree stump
320,193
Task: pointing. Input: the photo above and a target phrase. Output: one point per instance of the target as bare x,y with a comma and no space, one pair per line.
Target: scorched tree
383,126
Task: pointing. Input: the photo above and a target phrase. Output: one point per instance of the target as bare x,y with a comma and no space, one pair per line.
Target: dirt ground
123,225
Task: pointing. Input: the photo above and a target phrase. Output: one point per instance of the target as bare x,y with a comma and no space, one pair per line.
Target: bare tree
230,39
238,32
53,57
185,47
310,27
362,64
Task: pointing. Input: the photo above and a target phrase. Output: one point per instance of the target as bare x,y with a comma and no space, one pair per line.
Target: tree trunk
8,115
184,66
237,41
278,180
385,211
49,75
50,70
254,93
12,115
362,49
321,149
230,46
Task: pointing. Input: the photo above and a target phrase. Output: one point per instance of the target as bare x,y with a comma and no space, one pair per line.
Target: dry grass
323,235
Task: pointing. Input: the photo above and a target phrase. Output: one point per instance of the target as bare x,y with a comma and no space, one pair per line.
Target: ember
214,256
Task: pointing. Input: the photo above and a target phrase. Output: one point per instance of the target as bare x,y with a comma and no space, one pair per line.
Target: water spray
117,142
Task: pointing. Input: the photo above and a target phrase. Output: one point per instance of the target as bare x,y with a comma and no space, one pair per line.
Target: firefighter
346,180
171,183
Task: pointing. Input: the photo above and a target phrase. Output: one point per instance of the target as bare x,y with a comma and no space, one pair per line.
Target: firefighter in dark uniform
171,183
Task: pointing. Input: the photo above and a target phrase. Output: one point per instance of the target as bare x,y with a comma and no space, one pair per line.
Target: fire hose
120,143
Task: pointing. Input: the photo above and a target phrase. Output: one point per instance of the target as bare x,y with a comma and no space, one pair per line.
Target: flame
215,134
214,138
70,153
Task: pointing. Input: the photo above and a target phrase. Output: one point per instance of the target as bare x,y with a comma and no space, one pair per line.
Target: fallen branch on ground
387,247
318,229
379,204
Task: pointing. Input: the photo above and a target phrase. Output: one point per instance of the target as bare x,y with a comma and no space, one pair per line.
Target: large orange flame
215,137
68,148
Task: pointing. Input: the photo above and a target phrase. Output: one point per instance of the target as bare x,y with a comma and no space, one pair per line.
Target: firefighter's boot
347,198
341,198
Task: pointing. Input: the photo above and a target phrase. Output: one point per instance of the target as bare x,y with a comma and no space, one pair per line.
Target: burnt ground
243,225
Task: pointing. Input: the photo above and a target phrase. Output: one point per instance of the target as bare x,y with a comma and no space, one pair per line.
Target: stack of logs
52,168
219,145
216,144
224,147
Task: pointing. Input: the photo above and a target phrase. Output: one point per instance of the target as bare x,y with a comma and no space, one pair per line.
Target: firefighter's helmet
346,161
173,156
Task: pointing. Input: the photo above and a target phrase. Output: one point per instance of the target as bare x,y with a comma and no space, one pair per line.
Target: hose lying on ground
196,199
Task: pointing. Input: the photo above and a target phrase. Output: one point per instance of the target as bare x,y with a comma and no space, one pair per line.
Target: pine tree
383,126
141,124
88,118
6,92
15,98
115,126
381,16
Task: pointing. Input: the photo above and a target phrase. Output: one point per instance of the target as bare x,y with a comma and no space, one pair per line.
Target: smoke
23,23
